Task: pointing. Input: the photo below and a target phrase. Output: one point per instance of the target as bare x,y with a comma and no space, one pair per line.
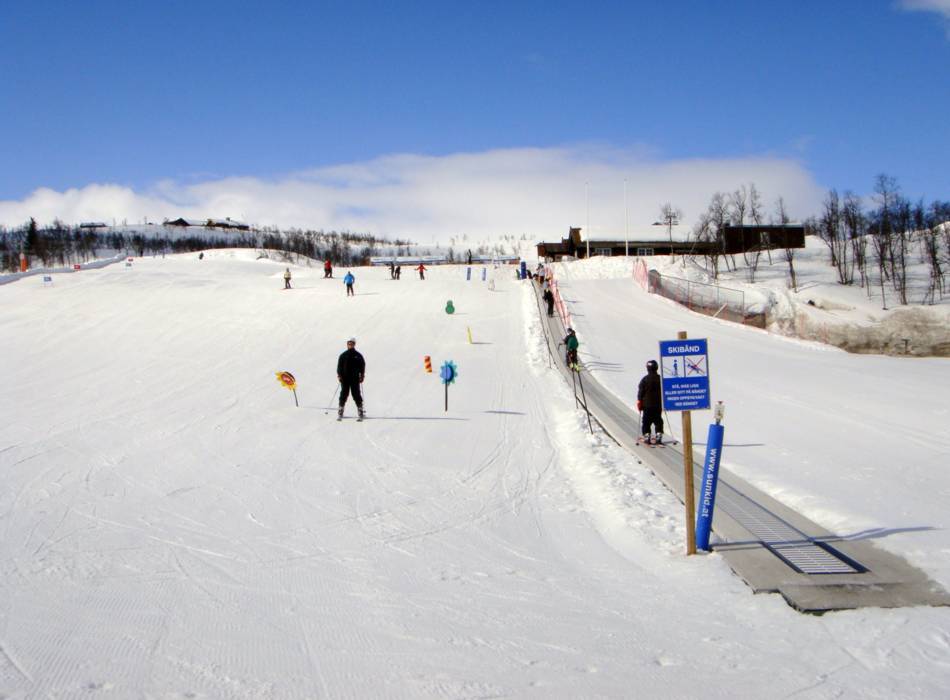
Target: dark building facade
734,239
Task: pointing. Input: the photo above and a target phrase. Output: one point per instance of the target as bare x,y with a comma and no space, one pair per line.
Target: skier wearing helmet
650,404
570,340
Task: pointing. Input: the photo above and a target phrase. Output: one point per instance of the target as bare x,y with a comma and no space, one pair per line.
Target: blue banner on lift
707,493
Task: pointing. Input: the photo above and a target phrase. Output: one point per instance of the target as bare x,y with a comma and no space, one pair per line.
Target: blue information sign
684,370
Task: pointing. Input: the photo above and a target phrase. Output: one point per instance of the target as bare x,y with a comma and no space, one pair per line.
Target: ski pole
668,425
327,411
574,384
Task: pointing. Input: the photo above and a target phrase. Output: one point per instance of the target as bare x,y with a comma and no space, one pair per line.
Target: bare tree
755,216
882,228
831,230
931,243
718,217
855,224
739,205
781,216
903,223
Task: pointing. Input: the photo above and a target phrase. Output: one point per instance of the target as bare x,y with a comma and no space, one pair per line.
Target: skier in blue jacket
348,281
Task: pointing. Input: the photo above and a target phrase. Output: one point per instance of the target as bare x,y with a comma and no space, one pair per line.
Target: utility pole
626,228
671,216
587,231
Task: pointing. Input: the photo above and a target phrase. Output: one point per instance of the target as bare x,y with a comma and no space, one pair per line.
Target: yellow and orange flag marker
288,380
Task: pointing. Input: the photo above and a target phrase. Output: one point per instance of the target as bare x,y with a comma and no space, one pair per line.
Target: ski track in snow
173,526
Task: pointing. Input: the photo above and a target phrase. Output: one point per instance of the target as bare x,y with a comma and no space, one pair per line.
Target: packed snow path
171,525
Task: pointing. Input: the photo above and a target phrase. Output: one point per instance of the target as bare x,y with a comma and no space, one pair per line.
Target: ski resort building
227,223
676,239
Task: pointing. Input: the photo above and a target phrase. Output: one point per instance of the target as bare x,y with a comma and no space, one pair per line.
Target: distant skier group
351,366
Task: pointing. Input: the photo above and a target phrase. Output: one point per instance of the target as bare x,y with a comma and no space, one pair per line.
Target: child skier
570,340
549,300
650,404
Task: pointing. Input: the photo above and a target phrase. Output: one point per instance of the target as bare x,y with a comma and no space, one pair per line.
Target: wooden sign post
684,374
688,474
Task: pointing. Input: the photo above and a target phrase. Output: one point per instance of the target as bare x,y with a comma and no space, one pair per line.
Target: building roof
223,223
643,233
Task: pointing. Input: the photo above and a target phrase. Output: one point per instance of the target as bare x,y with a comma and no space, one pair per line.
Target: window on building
602,251
644,251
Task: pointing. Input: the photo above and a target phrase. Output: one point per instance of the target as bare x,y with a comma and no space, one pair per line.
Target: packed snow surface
172,525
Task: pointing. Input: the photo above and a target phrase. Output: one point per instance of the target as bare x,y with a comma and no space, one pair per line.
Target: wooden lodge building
660,239
227,223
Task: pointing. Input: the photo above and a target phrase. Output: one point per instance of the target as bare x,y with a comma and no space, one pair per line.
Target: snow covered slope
858,443
171,525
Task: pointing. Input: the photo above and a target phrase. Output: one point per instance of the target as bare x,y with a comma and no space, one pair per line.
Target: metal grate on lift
814,558
789,544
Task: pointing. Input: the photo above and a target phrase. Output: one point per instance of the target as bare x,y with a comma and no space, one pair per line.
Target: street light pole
669,229
626,230
587,232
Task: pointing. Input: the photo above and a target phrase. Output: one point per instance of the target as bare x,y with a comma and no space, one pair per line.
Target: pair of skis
653,443
359,417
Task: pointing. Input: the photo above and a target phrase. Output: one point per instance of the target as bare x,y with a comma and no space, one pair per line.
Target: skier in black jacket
650,403
549,300
350,371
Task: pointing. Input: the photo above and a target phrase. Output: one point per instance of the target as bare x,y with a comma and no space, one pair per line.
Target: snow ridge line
13,662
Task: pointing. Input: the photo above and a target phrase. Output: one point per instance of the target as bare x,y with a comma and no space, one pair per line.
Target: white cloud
539,192
941,7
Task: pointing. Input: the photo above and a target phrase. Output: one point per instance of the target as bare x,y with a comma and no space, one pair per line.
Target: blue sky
177,94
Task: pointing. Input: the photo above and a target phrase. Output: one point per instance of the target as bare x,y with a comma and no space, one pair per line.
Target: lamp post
587,232
626,229
670,219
